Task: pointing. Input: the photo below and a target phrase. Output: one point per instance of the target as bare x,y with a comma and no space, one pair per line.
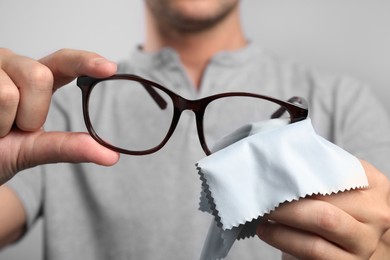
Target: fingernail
99,61
105,64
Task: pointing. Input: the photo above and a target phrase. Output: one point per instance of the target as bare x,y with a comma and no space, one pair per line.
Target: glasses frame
295,106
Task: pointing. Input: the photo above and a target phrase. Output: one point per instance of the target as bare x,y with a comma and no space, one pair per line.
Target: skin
346,225
202,37
23,142
350,225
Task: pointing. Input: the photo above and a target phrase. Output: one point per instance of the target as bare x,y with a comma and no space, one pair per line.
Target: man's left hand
346,225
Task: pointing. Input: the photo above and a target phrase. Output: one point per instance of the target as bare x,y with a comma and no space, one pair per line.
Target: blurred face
190,15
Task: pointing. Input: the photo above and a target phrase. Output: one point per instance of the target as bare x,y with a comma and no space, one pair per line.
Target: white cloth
275,163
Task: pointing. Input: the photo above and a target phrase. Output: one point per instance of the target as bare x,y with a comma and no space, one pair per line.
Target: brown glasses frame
295,106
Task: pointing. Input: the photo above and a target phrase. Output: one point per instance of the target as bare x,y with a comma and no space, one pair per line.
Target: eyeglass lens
225,115
128,117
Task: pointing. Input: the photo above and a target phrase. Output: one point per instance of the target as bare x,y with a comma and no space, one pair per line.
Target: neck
196,48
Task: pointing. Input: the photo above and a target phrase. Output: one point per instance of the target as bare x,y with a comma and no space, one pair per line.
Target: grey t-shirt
146,207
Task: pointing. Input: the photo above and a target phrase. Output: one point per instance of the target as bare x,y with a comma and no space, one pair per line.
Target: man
146,208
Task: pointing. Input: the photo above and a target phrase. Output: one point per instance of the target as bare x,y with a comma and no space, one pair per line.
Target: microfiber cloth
261,165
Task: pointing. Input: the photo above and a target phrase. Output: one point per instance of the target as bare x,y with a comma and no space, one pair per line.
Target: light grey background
340,36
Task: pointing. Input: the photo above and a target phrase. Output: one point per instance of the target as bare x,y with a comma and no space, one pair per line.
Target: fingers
301,244
34,83
26,88
25,92
314,227
9,99
68,64
26,85
21,150
370,205
53,147
339,226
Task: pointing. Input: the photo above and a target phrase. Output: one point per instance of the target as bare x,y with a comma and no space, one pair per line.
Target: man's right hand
26,88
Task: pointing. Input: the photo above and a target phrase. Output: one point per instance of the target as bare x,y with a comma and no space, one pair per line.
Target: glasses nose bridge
186,104
198,107
195,106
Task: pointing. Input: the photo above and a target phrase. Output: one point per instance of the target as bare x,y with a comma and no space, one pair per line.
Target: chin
202,9
190,14
198,14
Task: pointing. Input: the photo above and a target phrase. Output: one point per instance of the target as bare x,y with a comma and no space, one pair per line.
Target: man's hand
347,225
26,88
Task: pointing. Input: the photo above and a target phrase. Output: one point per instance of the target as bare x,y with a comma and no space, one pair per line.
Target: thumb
54,147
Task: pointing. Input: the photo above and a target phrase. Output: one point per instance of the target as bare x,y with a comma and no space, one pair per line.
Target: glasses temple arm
295,100
156,97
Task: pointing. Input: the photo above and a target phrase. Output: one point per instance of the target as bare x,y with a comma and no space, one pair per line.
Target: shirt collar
168,56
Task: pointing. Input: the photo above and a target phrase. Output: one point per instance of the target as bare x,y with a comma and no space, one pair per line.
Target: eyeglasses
133,115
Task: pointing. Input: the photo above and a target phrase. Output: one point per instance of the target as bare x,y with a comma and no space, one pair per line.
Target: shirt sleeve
362,125
28,186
